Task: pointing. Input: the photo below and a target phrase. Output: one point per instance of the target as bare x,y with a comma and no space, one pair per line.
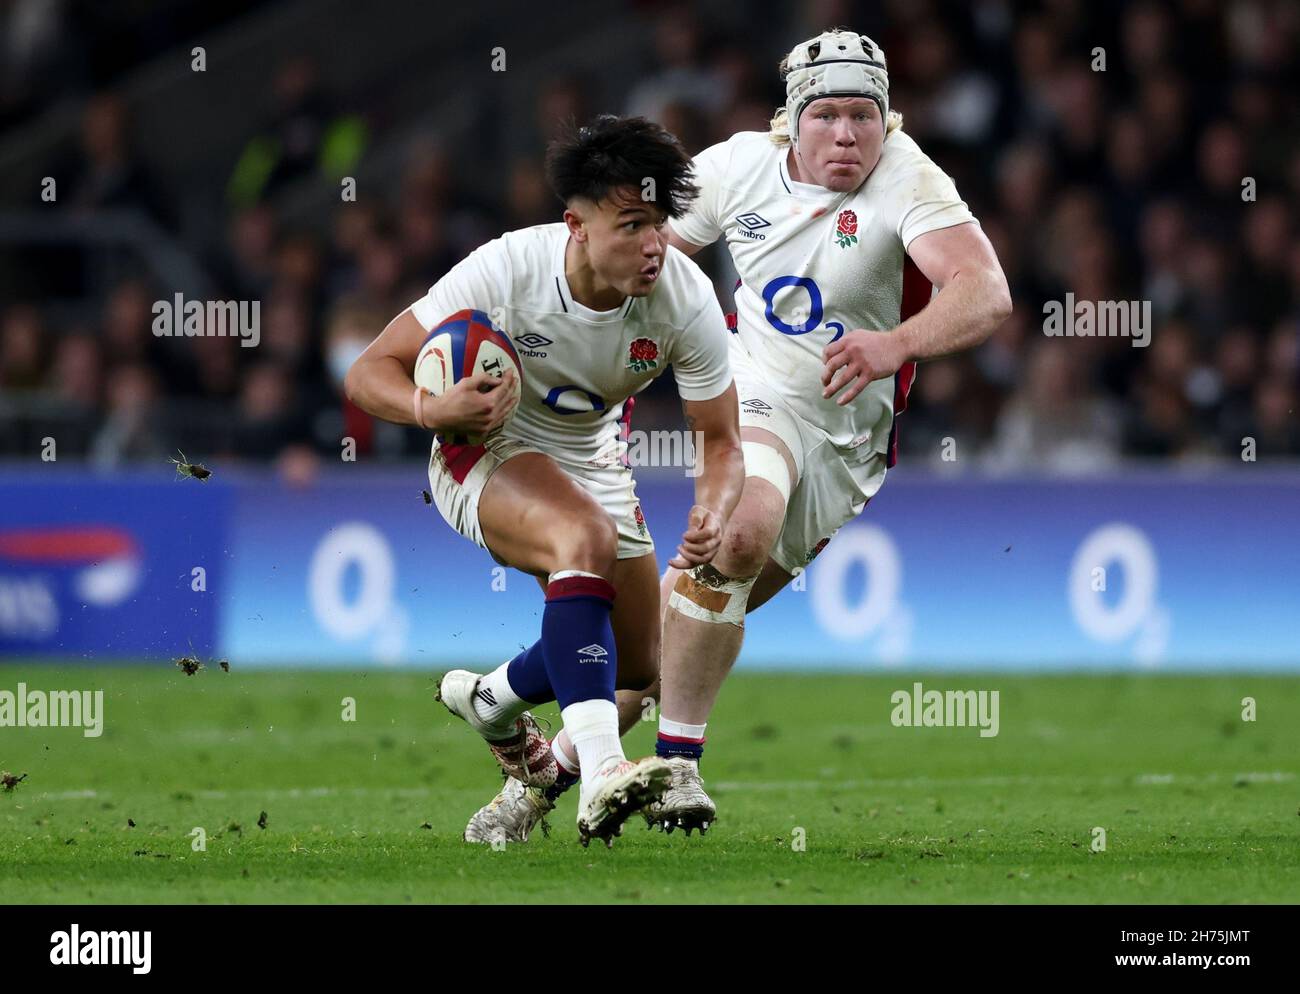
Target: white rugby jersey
814,264
581,367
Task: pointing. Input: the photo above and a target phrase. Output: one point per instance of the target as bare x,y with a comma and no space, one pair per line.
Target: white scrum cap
834,64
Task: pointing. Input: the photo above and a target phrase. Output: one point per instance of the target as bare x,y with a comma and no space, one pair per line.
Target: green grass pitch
1197,805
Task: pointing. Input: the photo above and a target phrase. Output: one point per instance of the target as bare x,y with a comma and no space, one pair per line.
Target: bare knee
745,547
587,541
752,530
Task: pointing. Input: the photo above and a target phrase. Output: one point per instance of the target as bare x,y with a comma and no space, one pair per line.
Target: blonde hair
779,128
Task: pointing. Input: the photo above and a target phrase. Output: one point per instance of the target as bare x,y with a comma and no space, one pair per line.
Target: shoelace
692,782
529,806
527,723
524,723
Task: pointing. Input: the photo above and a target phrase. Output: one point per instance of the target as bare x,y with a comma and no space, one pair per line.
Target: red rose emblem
644,350
846,229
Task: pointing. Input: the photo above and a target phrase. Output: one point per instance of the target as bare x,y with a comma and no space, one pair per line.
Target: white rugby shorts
833,485
458,474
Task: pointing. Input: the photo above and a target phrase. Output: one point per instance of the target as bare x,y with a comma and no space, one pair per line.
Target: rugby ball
461,345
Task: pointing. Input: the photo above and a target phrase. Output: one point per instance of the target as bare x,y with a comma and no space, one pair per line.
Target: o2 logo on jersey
806,320
572,399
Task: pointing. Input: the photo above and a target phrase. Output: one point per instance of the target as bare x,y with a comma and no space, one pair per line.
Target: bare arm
973,297
680,243
973,300
720,475
380,383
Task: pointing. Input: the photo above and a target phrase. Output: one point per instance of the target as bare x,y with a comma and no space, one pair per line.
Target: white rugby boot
684,805
616,793
526,755
511,816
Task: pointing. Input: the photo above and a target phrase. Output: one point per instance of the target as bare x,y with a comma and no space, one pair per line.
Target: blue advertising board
1144,570
110,566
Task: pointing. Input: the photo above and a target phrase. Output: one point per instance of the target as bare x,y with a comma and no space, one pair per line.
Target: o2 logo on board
370,609
1122,548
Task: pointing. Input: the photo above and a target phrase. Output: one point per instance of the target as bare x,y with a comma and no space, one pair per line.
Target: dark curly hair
613,152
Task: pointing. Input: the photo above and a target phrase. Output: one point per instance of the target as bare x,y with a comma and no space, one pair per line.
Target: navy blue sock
527,675
577,640
678,745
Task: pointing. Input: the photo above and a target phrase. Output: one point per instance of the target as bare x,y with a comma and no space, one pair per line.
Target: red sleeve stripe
916,294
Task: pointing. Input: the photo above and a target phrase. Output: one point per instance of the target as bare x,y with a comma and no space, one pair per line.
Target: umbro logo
756,405
593,654
751,222
530,342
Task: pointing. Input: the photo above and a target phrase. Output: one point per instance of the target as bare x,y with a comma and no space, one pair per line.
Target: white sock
565,757
680,729
593,730
496,702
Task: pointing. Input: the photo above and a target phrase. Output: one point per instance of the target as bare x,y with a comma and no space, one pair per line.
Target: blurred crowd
1145,151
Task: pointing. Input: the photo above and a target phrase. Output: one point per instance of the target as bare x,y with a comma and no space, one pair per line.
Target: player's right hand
701,540
475,405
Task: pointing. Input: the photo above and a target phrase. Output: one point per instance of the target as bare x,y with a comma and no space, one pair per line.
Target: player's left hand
856,359
701,539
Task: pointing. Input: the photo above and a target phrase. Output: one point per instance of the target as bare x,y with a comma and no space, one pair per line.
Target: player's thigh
757,519
537,518
762,436
636,621
832,493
